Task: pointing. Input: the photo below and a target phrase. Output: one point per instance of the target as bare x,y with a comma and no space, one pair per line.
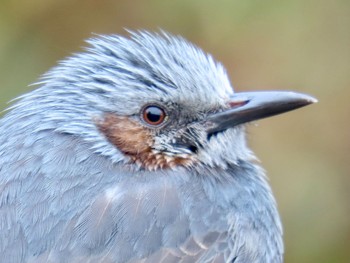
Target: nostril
193,148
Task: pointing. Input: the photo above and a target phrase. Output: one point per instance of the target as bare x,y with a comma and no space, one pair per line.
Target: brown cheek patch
136,141
130,138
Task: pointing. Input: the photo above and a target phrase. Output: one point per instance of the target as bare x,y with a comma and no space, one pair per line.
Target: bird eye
153,115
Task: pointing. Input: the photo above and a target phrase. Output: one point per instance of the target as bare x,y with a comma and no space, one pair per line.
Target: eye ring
154,115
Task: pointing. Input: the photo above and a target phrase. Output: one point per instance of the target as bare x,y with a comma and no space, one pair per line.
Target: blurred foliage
302,45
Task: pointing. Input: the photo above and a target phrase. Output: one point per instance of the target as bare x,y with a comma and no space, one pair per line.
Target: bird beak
249,106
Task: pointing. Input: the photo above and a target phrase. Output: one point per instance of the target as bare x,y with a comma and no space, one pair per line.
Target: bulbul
134,151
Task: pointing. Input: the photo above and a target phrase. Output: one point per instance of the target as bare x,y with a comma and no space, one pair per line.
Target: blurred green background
301,45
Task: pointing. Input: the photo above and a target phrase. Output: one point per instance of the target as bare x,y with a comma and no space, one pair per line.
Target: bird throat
136,141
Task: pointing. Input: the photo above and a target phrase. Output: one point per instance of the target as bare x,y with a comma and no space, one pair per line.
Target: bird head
154,101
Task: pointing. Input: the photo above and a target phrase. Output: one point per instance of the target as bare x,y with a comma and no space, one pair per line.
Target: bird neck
254,221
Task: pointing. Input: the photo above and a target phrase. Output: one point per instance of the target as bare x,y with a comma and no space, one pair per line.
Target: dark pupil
154,114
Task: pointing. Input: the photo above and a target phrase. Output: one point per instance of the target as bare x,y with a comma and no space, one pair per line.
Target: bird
134,150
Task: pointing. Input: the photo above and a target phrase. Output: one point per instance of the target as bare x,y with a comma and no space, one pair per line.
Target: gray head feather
119,75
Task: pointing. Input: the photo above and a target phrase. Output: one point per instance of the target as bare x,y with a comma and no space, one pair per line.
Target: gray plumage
67,194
